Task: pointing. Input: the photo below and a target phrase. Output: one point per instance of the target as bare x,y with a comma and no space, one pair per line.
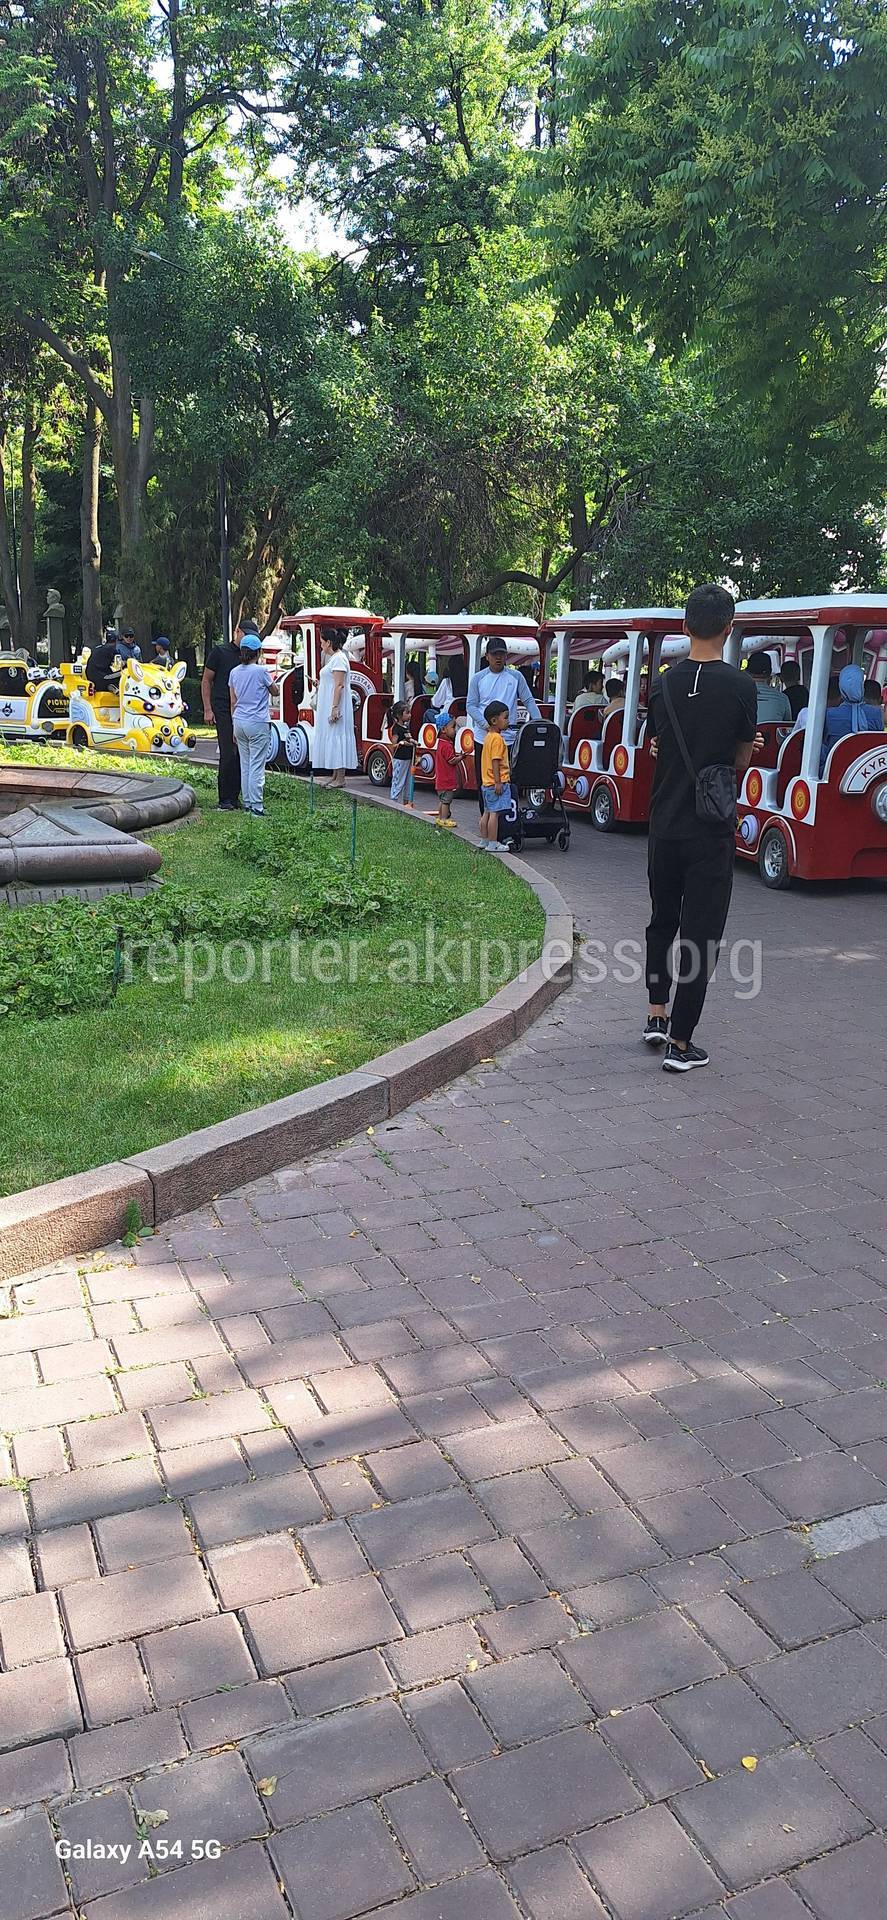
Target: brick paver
428,1524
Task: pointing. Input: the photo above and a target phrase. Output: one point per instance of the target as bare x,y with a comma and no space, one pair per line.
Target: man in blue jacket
497,681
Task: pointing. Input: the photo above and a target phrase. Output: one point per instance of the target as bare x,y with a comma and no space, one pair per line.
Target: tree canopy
606,311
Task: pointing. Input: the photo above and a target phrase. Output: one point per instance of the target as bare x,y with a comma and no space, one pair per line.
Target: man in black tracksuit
690,861
220,663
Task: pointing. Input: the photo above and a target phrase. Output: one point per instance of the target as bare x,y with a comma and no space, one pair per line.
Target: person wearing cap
772,703
161,651
496,681
249,690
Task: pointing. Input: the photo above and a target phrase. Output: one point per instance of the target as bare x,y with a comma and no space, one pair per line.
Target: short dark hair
594,676
871,692
791,673
613,687
493,711
709,611
760,665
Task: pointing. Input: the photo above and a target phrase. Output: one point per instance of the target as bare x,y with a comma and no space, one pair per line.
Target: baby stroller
538,811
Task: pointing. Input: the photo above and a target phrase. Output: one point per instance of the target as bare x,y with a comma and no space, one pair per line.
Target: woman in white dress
334,744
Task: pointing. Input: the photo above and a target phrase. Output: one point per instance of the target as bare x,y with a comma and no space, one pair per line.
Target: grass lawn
94,1086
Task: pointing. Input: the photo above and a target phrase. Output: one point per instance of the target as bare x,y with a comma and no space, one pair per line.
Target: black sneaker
682,1059
656,1030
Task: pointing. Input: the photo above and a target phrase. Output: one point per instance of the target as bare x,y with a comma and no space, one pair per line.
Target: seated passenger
615,697
832,699
452,685
772,705
852,713
99,662
793,687
592,694
873,695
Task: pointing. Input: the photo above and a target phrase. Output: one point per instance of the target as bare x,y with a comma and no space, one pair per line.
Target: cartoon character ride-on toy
144,715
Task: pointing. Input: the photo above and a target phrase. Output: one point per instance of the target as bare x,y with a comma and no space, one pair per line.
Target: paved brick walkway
427,1527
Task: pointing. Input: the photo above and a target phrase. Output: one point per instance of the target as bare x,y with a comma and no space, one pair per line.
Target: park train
800,815
144,715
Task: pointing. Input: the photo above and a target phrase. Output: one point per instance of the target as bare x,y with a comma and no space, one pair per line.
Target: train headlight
879,803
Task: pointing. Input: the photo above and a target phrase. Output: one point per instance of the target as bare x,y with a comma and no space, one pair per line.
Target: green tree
723,178
116,130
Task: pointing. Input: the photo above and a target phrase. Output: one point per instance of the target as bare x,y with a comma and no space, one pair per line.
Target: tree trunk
279,595
132,447
30,609
8,577
579,540
90,544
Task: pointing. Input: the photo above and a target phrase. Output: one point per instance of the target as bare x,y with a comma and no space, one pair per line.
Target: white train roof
349,616
433,623
823,610
618,619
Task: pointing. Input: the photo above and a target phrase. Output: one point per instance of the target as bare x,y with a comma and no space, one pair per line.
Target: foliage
721,179
55,959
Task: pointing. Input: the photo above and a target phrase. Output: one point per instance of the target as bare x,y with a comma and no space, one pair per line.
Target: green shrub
55,959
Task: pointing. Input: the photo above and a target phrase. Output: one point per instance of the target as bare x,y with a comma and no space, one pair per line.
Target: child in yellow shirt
494,773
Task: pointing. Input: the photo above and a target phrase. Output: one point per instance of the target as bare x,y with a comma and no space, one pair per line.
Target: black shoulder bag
714,787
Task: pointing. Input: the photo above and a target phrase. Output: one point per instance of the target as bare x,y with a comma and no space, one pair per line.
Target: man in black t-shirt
220,663
690,861
99,662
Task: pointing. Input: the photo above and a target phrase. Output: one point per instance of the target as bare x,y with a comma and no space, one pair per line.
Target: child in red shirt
446,773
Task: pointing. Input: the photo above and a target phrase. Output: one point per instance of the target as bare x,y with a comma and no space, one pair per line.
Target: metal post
223,555
632,686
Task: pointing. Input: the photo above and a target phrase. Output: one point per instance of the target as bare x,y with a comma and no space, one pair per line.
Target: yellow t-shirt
493,748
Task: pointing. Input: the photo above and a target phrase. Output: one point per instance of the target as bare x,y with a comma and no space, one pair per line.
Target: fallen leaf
615,1713
156,1819
371,1130
472,1666
786,1828
706,1771
749,1762
269,1786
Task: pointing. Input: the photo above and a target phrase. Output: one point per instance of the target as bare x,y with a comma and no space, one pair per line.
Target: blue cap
252,641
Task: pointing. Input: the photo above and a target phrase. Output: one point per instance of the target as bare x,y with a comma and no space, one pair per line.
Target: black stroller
538,811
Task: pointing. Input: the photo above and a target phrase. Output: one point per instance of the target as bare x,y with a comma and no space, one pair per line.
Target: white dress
334,746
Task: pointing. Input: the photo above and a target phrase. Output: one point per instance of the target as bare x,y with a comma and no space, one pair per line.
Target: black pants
690,886
229,757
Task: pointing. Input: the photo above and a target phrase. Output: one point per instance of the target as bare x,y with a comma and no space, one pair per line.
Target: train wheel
603,812
773,861
563,839
297,750
378,768
79,737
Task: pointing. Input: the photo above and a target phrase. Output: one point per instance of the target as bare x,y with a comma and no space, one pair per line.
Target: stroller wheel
563,839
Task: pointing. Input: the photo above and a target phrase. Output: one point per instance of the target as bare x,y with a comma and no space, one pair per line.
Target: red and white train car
607,768
292,712
802,817
464,636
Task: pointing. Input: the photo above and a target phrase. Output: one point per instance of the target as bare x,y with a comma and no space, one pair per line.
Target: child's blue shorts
496,802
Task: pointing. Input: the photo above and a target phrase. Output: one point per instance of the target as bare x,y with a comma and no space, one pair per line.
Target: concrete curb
88,1210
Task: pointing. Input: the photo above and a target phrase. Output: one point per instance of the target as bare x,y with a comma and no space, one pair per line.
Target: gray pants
252,741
